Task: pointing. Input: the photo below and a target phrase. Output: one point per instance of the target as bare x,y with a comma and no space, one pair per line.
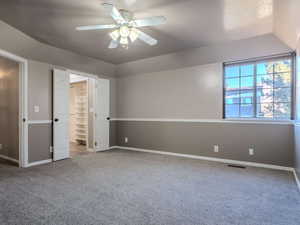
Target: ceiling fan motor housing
128,16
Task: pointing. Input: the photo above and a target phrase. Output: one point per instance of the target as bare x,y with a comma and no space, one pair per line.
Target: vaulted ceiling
190,24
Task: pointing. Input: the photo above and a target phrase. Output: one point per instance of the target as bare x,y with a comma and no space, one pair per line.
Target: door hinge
51,149
96,143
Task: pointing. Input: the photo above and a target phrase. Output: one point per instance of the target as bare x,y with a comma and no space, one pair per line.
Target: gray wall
39,142
273,144
9,108
236,50
39,90
287,21
157,88
40,94
189,93
16,42
297,149
297,124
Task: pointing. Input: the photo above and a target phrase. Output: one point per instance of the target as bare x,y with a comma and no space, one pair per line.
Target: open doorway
80,114
79,107
13,109
9,110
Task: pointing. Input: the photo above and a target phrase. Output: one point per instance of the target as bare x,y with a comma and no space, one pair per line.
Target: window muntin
260,89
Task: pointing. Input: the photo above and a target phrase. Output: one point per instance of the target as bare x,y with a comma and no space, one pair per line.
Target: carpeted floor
125,187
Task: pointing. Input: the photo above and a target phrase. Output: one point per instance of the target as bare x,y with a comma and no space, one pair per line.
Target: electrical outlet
251,151
216,148
126,139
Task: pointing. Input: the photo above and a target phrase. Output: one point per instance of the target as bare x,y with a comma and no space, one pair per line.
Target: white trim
204,121
227,161
39,121
39,162
9,159
297,179
83,74
23,106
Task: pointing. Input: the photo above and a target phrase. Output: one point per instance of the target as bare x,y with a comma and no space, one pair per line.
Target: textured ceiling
190,24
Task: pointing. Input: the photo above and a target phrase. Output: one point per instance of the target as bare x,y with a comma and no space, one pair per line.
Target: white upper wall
287,21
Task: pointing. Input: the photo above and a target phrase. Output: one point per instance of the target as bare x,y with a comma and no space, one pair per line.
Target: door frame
23,106
96,78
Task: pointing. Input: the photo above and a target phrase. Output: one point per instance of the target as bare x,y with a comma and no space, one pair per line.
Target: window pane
247,82
232,83
264,68
282,66
282,95
232,71
232,97
265,110
264,95
282,110
260,90
247,110
232,110
247,96
264,81
247,70
282,80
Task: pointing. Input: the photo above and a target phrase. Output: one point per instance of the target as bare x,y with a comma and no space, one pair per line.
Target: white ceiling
190,24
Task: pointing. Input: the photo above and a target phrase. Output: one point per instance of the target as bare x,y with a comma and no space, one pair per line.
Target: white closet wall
79,112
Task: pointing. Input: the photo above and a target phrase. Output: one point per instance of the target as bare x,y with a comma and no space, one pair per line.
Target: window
259,89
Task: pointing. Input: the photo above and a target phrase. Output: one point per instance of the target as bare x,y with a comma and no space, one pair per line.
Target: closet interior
78,119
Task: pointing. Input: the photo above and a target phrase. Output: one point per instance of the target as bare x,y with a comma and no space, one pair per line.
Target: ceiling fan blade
115,13
113,44
146,38
151,21
97,27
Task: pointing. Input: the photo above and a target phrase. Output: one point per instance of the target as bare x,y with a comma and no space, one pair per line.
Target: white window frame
292,56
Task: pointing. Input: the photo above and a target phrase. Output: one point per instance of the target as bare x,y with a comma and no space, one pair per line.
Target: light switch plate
36,109
216,148
251,151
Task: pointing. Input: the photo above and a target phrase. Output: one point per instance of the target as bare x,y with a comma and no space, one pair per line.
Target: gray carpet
124,187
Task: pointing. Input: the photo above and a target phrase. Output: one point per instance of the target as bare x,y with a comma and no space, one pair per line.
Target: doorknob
108,118
56,120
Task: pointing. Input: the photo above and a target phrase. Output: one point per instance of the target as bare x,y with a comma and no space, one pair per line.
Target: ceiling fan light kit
126,27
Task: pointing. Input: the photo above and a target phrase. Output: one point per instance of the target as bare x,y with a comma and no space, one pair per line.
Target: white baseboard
39,162
9,159
297,179
227,161
109,148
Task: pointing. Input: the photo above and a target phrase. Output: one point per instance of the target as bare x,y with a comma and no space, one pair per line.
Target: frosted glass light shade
124,41
115,35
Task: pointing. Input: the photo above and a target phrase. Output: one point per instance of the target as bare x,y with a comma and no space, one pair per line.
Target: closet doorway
79,104
80,114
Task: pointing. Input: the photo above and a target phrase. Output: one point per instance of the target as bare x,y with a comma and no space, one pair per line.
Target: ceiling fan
126,27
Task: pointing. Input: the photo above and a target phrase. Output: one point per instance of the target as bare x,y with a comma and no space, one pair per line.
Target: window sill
259,121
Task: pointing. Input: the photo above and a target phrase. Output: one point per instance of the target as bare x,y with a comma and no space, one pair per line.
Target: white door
60,115
102,115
